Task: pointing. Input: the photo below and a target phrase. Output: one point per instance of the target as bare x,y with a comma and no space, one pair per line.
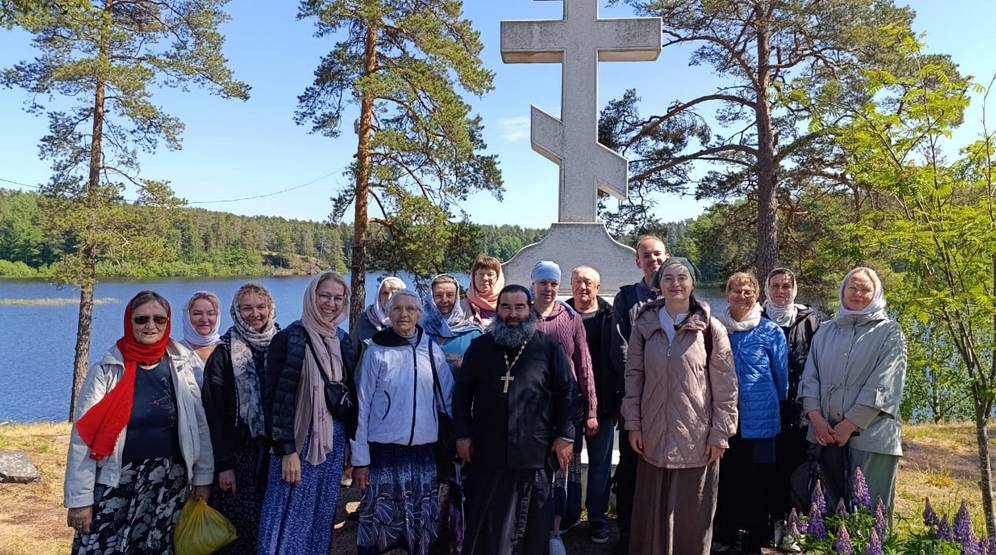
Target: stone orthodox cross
579,41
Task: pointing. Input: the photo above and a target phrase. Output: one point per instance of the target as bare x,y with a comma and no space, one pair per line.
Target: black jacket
800,338
221,403
608,380
283,374
514,430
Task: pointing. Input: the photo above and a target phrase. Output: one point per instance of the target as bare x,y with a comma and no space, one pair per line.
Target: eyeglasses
142,320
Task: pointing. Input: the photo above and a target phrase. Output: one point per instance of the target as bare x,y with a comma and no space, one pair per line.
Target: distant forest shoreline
209,244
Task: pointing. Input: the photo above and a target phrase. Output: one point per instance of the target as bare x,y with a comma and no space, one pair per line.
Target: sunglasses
142,320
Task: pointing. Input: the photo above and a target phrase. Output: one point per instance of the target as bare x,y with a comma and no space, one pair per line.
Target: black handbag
445,448
339,400
827,464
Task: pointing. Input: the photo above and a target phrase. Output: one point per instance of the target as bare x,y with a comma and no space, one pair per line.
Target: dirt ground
940,462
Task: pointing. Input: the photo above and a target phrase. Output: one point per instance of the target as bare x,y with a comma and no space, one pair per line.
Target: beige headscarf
311,411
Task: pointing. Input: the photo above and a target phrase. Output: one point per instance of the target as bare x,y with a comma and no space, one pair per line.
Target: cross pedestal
578,42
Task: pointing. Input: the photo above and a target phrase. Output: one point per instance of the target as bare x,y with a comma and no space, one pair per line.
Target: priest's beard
511,336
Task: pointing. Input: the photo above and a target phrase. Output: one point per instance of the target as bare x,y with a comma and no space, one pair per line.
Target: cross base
571,245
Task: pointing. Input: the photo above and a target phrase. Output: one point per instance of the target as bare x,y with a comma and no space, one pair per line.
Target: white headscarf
379,312
784,316
750,321
190,334
878,300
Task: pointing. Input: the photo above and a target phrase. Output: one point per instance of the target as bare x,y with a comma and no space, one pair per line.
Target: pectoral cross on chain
508,377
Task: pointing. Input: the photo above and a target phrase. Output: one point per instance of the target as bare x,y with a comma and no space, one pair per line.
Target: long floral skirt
140,513
298,519
400,507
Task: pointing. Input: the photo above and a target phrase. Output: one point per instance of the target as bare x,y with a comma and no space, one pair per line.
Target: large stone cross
579,41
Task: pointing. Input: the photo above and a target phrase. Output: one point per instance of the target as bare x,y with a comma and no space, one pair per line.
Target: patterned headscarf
244,342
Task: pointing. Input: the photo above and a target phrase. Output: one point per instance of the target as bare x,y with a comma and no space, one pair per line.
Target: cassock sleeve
463,390
564,391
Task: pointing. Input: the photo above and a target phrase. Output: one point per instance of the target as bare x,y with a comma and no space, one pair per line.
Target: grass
32,519
55,301
939,463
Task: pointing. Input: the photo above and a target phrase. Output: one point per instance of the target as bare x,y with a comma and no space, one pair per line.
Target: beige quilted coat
678,403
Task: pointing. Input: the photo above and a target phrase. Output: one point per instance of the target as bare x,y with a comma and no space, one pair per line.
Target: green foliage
201,243
779,63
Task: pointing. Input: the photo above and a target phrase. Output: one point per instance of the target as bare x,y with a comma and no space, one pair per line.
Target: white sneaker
556,546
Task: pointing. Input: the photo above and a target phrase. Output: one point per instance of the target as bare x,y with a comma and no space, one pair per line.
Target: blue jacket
761,359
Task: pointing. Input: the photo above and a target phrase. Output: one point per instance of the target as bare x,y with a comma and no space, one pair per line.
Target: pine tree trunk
767,202
81,360
360,217
87,281
985,466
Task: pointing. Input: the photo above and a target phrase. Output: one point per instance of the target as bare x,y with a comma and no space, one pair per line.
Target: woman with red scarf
140,439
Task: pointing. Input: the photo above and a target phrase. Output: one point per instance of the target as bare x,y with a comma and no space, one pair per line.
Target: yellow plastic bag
201,529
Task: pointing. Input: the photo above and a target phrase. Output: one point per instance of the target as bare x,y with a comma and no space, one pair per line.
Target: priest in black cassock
513,409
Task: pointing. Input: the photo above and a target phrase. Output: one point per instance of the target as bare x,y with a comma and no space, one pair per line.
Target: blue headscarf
453,325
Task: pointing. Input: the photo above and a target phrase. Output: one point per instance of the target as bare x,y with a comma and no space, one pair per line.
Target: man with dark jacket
513,407
651,253
599,328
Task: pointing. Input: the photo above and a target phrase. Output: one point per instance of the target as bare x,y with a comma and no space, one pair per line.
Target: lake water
37,341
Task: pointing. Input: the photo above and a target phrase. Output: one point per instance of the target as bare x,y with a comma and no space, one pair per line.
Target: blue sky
234,149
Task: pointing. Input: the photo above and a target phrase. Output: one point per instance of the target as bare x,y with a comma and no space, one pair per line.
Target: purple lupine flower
794,519
793,530
859,491
881,524
815,527
843,544
819,498
874,544
963,532
929,516
841,510
944,529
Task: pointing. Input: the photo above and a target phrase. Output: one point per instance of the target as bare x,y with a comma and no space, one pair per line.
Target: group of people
463,416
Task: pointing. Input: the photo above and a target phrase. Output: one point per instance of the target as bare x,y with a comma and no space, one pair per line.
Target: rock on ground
16,467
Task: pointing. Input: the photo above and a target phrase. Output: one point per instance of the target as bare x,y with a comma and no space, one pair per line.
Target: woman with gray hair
403,382
853,382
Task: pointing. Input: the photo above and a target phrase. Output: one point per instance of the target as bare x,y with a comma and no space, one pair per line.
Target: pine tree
419,150
97,64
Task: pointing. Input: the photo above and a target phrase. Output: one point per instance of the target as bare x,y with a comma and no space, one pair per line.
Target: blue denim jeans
599,473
